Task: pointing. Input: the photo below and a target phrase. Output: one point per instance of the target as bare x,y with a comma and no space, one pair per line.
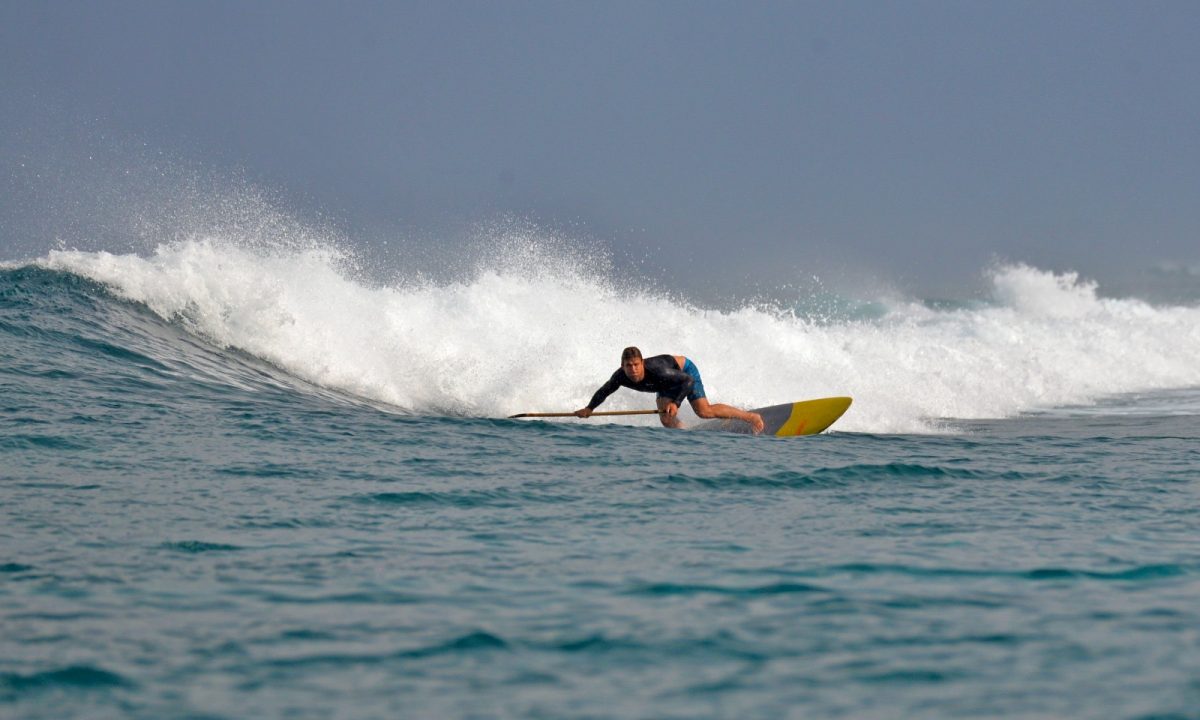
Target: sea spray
532,326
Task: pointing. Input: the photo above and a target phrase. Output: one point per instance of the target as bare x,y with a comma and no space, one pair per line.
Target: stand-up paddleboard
807,417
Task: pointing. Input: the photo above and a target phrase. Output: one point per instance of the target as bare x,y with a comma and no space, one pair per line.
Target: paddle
606,412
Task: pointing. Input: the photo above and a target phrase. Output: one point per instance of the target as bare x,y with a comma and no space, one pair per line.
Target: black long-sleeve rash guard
663,376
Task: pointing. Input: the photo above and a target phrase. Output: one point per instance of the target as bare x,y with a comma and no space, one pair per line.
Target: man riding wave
672,378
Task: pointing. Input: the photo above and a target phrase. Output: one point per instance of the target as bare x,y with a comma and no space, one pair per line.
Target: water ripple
82,677
199,546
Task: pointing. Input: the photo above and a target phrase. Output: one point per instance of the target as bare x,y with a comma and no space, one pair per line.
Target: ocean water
245,482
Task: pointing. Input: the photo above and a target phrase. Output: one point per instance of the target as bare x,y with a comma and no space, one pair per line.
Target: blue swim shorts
690,368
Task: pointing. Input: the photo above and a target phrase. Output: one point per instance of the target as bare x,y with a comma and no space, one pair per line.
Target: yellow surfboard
807,417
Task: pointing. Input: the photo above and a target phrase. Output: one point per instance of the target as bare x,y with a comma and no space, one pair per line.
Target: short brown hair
630,352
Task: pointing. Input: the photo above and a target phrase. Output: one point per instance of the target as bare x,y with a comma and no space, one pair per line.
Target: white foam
534,330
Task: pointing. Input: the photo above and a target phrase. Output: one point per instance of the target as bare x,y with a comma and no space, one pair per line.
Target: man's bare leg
705,409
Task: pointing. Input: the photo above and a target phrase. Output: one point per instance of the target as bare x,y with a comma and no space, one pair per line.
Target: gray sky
728,144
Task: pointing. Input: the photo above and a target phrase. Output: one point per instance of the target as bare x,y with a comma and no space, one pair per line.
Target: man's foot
756,422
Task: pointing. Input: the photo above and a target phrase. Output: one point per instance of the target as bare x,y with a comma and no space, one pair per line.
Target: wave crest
532,325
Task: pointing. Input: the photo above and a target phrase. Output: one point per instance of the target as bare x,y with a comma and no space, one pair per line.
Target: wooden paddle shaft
606,412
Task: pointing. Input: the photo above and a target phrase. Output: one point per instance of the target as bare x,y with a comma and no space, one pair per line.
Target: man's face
634,370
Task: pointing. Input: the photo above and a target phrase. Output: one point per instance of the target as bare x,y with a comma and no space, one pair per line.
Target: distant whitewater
531,329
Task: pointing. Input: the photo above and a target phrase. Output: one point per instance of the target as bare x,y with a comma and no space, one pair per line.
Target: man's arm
601,395
685,387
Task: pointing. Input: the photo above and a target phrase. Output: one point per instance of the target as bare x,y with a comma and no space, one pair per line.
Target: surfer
673,378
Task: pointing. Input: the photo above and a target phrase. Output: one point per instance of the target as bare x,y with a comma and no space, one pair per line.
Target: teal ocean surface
238,484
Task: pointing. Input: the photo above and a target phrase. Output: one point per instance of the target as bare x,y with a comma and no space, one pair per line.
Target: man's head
631,363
